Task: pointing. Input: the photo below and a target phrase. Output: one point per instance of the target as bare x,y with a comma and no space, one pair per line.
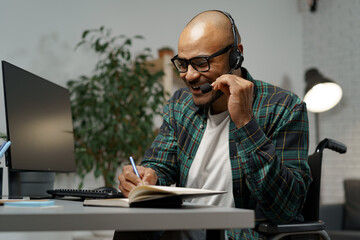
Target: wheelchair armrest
271,228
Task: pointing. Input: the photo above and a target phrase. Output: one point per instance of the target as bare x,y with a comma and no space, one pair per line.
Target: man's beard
207,105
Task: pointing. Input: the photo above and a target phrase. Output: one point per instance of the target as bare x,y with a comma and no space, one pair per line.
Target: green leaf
79,44
85,33
128,41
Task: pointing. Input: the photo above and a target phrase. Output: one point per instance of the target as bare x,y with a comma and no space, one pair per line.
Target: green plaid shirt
268,155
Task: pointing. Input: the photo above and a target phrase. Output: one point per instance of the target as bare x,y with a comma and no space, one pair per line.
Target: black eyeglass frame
207,58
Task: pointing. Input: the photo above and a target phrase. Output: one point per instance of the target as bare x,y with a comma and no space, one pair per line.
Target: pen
4,147
134,166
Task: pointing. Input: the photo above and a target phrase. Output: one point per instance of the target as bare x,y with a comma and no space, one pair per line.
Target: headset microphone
205,88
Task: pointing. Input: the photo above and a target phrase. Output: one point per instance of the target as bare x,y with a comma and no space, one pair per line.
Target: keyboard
82,193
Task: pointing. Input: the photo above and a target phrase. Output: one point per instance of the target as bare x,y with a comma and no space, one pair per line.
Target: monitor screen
39,123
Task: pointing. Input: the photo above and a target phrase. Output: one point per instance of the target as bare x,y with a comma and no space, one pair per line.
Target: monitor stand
31,184
25,184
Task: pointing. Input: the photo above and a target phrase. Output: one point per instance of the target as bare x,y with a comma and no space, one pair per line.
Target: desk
72,215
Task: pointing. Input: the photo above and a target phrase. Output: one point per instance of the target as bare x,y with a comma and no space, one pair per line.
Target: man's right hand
128,179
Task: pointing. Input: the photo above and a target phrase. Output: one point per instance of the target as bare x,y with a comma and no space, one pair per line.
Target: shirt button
201,126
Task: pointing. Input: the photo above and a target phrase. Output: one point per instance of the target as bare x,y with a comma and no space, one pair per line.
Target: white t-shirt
211,168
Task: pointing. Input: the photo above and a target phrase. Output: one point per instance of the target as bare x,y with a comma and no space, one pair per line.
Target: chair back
310,209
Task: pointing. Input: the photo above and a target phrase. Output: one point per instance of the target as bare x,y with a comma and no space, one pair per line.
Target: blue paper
47,203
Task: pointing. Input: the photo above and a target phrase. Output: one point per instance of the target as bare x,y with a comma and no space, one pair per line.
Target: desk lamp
321,94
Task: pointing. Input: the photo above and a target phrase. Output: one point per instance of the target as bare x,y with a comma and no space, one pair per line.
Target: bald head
211,28
218,19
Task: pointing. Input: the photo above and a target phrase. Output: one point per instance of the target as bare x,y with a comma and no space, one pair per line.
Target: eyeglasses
200,63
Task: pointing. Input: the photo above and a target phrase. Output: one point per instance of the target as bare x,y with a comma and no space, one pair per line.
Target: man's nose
191,74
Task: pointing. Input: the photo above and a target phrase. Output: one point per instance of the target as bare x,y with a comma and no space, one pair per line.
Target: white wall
40,36
331,43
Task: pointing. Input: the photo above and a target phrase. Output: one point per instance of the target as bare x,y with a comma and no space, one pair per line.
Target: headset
235,58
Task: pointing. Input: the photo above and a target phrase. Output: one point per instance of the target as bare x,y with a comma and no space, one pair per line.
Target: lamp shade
321,94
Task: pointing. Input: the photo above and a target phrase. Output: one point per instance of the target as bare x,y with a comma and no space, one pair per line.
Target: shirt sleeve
162,154
275,165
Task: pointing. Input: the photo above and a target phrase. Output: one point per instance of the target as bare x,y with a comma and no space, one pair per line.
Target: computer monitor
39,126
39,122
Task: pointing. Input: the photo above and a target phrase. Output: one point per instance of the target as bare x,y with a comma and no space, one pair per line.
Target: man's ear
241,49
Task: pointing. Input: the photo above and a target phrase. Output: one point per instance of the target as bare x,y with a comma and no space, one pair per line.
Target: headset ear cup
232,59
241,60
235,59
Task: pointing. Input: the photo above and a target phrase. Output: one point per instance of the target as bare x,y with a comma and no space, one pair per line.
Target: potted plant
113,109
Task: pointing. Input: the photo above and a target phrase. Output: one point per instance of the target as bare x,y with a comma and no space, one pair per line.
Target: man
244,136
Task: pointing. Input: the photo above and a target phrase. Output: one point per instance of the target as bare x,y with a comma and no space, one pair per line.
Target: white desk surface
72,215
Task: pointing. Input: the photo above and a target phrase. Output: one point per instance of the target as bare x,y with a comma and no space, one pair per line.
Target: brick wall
331,43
